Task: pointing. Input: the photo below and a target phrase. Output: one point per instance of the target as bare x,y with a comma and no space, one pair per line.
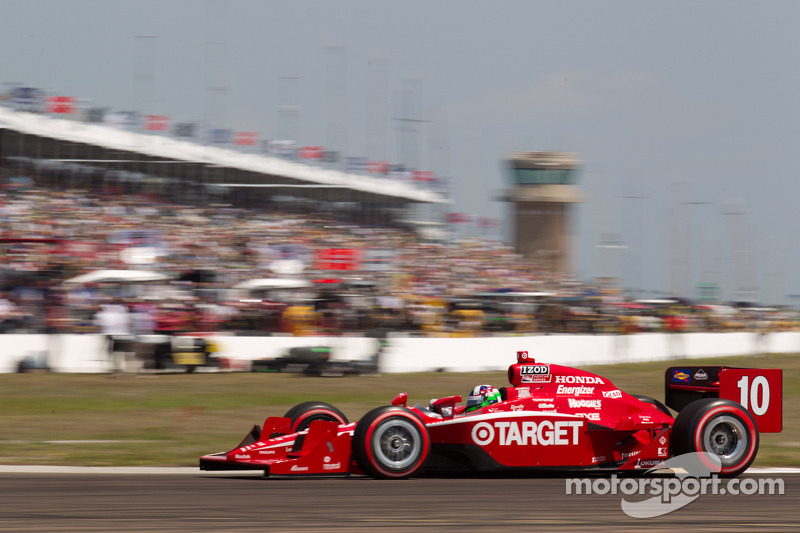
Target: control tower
543,195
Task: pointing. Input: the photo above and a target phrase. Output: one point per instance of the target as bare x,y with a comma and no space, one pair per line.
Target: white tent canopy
273,283
117,276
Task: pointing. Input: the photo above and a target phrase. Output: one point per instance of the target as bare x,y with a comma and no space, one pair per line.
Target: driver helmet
481,396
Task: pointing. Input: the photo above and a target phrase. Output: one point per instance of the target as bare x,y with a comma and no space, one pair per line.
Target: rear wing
759,390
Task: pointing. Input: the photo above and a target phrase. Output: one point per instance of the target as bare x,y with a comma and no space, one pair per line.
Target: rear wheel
391,442
719,427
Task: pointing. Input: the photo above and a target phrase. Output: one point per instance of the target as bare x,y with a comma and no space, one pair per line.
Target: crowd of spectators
459,287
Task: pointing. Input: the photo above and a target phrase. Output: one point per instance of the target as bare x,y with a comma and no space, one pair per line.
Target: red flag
422,175
310,152
61,104
378,167
157,123
457,218
246,138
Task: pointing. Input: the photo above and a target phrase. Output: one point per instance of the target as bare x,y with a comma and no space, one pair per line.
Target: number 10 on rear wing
759,390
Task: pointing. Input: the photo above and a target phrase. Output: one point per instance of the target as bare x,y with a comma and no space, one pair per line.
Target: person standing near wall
114,321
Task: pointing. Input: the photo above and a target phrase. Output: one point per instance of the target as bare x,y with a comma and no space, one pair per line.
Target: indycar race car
551,418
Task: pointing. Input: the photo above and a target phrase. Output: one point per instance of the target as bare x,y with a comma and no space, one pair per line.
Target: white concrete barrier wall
87,353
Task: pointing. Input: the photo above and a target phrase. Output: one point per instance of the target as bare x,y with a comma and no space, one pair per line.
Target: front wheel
719,427
303,414
391,442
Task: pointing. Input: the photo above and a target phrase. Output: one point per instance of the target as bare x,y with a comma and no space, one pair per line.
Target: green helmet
481,396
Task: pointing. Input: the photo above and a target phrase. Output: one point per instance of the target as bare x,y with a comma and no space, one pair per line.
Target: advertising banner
337,259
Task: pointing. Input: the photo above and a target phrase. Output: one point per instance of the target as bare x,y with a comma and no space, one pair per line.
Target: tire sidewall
691,424
304,414
379,420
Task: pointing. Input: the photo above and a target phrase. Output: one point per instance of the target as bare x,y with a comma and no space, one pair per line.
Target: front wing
323,449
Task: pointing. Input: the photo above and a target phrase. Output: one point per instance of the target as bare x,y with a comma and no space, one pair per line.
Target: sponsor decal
534,369
578,404
628,455
266,452
527,432
589,416
523,392
680,375
546,406
700,375
662,452
612,393
522,355
332,466
535,378
663,440
242,456
517,407
575,391
581,380
599,459
296,468
648,463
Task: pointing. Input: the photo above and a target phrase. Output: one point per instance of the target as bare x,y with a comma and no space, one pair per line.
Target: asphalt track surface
121,502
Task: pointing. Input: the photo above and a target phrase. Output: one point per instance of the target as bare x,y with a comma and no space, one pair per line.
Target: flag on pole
157,123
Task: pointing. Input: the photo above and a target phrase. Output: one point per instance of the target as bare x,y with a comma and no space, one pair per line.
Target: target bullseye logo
482,433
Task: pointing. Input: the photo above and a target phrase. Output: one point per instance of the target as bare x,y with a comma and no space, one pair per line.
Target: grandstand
64,154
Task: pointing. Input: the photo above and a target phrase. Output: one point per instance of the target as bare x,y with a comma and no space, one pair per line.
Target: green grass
172,419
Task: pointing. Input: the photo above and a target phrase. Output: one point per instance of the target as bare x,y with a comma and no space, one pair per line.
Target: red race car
551,418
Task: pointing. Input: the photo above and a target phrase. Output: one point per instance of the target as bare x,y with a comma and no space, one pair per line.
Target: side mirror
446,406
400,399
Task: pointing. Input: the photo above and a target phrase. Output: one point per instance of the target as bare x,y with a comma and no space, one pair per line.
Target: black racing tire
720,427
303,414
391,442
652,401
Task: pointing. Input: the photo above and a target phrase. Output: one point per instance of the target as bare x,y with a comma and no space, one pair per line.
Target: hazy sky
686,113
